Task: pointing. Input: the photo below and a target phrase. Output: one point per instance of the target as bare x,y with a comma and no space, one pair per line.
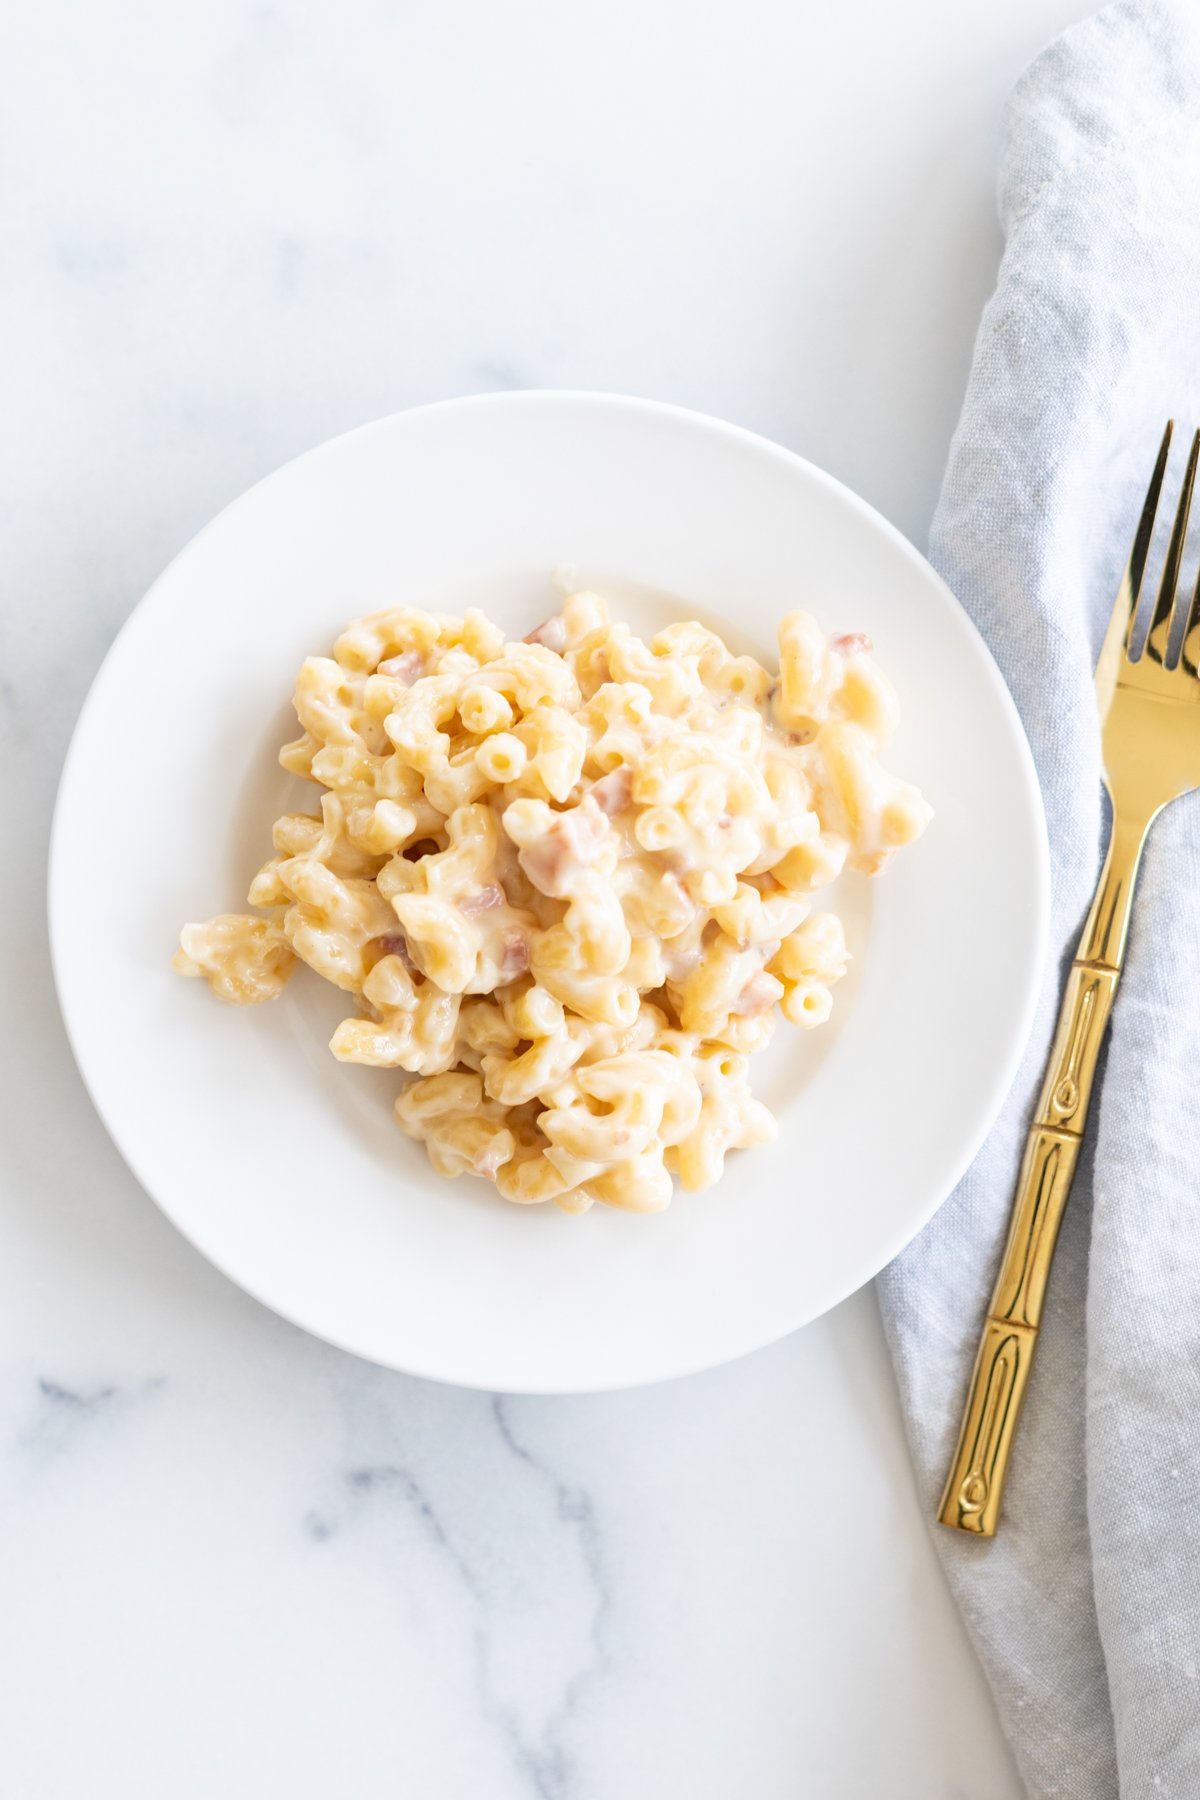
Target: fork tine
1159,636
1189,652
1120,626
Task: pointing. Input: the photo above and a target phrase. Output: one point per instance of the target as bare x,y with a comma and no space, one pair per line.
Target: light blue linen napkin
1086,1607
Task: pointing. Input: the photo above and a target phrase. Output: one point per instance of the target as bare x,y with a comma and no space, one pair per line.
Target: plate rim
1006,1067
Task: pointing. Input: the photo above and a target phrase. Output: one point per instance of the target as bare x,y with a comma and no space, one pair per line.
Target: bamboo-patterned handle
975,1485
971,1501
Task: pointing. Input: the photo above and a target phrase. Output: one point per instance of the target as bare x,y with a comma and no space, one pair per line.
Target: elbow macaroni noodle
568,882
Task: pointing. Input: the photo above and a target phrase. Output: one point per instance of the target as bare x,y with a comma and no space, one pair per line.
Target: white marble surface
239,1563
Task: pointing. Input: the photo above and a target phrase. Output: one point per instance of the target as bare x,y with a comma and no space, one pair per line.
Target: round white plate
284,1167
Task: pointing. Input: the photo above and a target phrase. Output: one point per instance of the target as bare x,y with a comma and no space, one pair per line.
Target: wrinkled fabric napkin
1086,1606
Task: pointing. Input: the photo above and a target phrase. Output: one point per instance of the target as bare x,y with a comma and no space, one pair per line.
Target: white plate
283,1167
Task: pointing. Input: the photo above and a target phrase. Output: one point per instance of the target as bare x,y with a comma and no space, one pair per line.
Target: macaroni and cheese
568,882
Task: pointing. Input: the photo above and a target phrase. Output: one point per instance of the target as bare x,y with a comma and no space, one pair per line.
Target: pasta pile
568,881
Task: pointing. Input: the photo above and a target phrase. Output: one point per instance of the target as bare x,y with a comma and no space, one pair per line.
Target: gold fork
1150,718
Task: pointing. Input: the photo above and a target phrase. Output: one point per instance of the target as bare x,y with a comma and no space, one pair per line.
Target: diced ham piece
492,895
566,848
614,791
489,1160
394,943
406,667
552,633
758,996
852,643
514,953
678,964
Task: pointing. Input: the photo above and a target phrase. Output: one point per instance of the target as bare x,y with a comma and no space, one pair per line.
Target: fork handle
975,1485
